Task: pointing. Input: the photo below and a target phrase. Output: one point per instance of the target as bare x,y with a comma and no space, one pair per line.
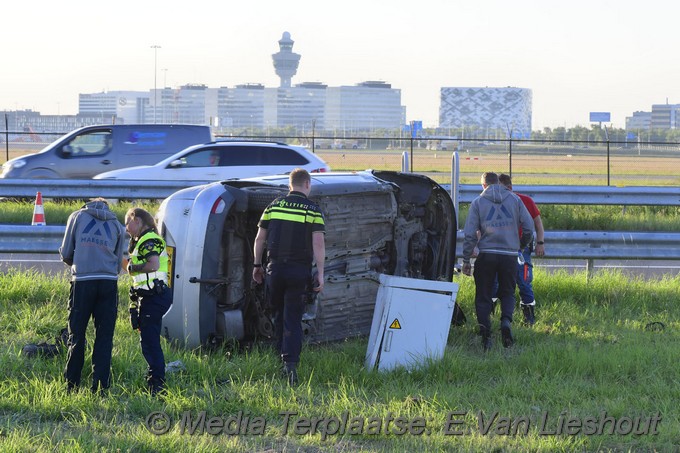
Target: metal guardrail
116,188
563,244
587,245
89,188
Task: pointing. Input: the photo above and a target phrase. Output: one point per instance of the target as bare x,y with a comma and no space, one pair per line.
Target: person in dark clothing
150,295
93,245
492,224
292,229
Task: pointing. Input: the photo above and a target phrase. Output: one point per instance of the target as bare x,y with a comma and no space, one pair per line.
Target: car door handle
106,162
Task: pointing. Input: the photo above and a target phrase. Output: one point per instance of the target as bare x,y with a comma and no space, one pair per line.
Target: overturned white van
376,222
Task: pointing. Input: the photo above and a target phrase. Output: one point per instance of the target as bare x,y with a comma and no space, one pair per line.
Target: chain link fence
532,162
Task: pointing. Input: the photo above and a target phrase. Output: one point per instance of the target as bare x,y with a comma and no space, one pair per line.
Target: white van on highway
376,222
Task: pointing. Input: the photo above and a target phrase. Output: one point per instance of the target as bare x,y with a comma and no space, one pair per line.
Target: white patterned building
507,109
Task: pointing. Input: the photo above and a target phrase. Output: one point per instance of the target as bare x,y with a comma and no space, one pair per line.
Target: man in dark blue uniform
292,228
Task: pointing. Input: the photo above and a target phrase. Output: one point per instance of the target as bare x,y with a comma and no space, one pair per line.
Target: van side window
89,144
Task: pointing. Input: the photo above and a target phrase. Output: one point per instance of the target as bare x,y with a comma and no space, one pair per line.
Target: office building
367,106
126,107
665,116
639,121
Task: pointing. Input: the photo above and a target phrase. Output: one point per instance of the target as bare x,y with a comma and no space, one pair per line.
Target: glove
134,317
133,295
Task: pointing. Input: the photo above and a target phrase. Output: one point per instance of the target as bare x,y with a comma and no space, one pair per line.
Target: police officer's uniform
155,298
290,222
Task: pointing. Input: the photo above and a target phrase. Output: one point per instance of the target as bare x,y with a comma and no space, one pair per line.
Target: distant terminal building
302,106
250,107
29,123
366,106
126,106
507,109
241,106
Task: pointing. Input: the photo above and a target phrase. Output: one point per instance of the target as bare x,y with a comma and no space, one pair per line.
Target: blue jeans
96,299
525,276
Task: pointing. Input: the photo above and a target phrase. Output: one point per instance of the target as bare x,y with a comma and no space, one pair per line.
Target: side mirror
67,150
176,163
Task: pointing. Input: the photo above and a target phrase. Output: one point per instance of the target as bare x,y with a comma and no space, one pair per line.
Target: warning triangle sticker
395,324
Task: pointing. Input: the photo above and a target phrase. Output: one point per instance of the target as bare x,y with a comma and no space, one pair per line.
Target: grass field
534,169
529,166
603,355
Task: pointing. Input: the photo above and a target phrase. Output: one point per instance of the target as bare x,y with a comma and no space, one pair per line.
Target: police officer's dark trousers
97,299
151,311
287,286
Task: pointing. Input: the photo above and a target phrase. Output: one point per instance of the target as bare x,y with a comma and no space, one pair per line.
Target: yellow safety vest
150,242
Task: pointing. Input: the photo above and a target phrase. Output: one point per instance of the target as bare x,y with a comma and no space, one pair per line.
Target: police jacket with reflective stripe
148,245
290,222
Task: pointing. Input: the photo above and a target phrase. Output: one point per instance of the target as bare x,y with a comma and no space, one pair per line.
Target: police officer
148,267
292,228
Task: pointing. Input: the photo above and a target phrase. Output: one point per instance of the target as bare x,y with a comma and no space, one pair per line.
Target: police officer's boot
156,386
528,311
486,337
290,373
506,333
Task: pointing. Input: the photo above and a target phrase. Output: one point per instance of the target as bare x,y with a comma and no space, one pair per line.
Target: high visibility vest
150,242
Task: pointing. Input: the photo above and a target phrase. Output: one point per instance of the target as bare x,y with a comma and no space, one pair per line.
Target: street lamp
155,73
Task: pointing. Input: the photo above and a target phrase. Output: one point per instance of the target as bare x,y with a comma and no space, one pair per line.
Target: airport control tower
285,61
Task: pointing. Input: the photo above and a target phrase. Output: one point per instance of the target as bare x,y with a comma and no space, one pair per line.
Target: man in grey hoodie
93,245
496,216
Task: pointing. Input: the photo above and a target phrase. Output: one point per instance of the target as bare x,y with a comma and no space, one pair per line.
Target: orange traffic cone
38,212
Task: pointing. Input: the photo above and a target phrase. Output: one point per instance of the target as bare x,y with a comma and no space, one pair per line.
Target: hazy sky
580,56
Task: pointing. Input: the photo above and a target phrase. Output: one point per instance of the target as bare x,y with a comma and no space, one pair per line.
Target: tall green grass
57,212
607,344
555,217
603,218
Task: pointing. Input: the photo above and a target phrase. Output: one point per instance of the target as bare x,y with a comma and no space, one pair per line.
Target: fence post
404,162
510,157
606,134
6,137
455,182
590,269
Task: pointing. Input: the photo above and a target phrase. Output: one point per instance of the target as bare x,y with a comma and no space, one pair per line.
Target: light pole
155,73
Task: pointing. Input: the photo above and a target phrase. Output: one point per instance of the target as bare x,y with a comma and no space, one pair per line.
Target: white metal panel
411,322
